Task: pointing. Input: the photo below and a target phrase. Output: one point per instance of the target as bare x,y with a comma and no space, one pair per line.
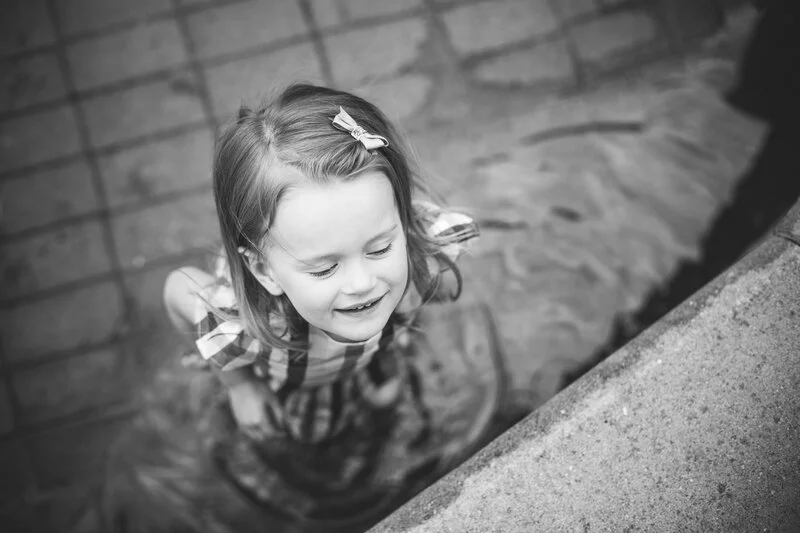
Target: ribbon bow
345,122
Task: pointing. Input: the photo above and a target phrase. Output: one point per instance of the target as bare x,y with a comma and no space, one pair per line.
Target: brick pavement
107,114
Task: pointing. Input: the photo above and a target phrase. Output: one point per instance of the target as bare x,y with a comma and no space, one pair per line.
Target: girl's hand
248,403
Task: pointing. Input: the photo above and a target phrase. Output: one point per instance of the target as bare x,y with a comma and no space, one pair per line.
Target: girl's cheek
402,269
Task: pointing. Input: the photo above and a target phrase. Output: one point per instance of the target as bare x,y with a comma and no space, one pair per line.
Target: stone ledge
694,425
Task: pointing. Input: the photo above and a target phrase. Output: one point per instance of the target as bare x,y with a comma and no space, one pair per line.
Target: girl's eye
324,273
382,251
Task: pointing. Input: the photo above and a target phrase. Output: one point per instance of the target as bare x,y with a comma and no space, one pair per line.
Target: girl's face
338,252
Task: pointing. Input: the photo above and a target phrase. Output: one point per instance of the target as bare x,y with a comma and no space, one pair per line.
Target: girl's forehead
326,218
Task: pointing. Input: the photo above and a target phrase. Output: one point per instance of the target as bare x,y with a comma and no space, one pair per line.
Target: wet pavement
107,114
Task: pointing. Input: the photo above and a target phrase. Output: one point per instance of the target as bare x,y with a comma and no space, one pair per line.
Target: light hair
295,130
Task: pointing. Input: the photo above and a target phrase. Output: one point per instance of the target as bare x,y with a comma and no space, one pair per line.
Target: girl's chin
356,335
358,332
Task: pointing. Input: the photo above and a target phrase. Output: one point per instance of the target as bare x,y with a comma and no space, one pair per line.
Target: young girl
341,389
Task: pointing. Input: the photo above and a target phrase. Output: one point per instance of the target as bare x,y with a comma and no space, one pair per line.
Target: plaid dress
315,393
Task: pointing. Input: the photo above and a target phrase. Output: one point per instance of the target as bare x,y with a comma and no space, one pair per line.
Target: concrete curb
694,425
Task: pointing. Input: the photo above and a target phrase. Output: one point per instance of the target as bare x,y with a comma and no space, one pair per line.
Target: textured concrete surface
693,426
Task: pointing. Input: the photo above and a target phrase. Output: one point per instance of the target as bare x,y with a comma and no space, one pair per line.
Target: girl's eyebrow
331,257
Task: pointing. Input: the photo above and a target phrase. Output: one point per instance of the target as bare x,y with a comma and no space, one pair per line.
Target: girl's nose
360,279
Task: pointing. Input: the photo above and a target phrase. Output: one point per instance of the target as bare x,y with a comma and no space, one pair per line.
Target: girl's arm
181,295
180,299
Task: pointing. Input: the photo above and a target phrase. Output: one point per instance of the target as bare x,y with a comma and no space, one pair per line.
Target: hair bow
345,122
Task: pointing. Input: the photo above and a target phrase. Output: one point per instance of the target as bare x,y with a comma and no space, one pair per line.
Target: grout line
317,41
72,286
11,393
578,70
49,227
195,66
434,17
452,69
147,138
507,48
58,290
113,212
107,150
114,27
120,410
46,358
89,153
41,166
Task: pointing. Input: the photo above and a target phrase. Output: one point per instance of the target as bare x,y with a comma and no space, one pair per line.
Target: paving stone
143,110
59,388
19,516
70,455
68,506
30,80
545,63
142,49
243,25
64,322
16,471
159,341
330,13
18,481
570,9
82,15
167,229
6,422
689,20
38,137
399,98
603,38
250,80
46,197
68,254
147,286
25,24
486,25
165,166
375,52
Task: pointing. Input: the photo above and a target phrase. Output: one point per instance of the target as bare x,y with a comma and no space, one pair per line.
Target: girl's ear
261,270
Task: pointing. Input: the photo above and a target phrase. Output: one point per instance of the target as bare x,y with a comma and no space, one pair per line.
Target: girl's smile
338,252
364,307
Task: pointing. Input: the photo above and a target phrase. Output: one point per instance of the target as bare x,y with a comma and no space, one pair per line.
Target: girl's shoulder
454,232
444,222
219,294
453,229
223,340
221,337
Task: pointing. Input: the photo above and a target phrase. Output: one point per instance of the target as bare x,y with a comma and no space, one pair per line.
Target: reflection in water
183,466
604,216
